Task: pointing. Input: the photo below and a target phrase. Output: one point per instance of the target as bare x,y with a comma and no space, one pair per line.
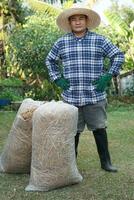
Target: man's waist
82,98
81,87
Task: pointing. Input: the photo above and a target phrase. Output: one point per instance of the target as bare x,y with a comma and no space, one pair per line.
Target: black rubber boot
101,140
76,143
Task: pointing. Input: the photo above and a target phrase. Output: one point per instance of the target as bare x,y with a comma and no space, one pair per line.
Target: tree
28,47
121,22
42,7
11,13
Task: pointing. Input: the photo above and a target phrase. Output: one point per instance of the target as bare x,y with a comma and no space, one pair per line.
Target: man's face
78,23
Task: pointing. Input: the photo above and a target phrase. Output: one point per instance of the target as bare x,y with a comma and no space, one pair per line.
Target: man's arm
53,68
52,62
116,56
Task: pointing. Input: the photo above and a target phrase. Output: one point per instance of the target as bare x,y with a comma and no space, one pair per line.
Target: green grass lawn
97,184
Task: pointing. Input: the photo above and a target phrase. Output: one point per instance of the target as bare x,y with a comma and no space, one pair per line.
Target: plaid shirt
82,60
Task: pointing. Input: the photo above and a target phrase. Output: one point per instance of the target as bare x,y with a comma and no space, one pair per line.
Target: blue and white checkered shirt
82,60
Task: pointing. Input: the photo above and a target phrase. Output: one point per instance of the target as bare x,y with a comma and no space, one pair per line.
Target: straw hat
93,19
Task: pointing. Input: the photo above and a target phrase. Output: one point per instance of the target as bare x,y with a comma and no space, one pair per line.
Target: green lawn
97,184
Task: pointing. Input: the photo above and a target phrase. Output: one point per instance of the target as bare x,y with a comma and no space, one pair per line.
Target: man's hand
103,82
62,83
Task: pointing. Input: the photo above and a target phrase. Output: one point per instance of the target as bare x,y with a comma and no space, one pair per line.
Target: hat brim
93,19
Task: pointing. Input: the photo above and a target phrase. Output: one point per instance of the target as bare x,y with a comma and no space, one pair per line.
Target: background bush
27,49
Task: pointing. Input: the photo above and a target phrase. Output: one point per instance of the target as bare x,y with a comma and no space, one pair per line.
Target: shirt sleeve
116,56
52,62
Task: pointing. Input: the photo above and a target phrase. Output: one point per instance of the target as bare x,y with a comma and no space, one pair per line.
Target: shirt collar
80,38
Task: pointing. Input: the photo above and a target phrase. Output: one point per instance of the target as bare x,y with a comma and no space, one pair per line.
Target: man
83,81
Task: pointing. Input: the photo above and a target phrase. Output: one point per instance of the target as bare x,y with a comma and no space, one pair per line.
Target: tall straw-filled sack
53,156
16,155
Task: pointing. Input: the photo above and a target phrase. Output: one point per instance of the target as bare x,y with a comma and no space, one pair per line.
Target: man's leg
76,143
80,128
96,117
101,140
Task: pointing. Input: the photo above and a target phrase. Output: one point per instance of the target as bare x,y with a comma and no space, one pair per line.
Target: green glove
62,83
103,82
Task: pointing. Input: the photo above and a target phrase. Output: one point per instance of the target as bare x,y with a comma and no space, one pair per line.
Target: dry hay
16,155
53,155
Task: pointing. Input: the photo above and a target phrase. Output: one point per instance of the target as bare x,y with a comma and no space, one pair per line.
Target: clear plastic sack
53,155
16,155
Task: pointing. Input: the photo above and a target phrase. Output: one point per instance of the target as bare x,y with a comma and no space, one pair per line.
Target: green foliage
12,89
130,90
127,14
121,31
12,14
11,94
27,49
13,9
43,8
67,4
47,91
117,23
14,82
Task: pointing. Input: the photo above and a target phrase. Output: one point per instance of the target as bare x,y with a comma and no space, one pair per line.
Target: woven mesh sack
53,155
16,155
